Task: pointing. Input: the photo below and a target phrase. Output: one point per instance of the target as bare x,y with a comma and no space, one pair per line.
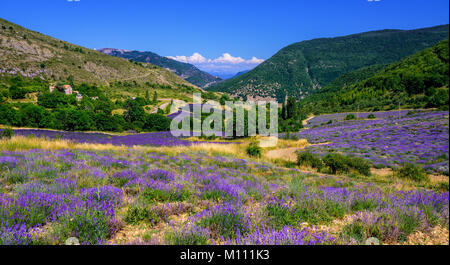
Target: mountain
302,68
418,81
32,54
186,71
241,73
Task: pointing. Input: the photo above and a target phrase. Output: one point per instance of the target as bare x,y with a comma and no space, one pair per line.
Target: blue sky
218,31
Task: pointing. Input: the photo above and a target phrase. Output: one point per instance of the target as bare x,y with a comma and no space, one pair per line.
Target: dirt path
305,122
288,154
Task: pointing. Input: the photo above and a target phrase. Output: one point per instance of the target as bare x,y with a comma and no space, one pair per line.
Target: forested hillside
302,68
418,81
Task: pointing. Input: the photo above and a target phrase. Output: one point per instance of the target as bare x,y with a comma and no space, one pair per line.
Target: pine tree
291,107
283,111
155,97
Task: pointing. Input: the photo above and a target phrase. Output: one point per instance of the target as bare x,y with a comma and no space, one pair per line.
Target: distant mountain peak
186,71
110,51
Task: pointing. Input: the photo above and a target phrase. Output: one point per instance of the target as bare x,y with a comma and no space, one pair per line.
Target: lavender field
144,139
186,196
388,140
100,197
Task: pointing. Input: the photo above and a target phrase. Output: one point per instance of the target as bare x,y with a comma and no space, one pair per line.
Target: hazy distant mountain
241,73
186,71
302,68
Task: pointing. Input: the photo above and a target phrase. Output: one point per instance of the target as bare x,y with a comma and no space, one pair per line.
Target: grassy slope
303,67
33,54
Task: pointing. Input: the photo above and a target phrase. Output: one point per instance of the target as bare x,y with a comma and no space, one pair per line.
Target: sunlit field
109,192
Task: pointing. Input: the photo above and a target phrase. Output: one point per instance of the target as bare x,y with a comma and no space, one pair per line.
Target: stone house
67,89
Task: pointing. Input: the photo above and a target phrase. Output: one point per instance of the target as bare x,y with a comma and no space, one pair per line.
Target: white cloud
227,58
226,64
255,60
195,58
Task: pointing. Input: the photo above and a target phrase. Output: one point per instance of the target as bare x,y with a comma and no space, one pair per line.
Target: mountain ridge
417,81
301,68
33,54
185,71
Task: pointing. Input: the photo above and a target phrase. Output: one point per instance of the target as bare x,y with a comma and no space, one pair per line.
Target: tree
134,112
283,111
291,107
155,97
17,92
104,122
71,119
33,115
9,116
224,98
157,122
55,99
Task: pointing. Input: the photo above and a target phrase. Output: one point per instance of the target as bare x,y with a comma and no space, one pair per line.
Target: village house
79,97
67,89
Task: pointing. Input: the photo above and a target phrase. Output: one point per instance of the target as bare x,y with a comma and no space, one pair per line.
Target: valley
358,155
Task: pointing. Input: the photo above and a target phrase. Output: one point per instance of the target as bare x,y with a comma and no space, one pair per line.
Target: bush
443,186
17,92
281,216
254,150
371,116
225,222
156,195
188,236
359,164
89,226
350,116
413,172
7,133
136,215
340,163
336,163
309,159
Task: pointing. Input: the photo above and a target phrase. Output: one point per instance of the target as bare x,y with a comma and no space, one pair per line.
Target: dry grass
21,143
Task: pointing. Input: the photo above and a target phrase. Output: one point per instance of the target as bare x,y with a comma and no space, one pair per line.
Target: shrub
254,150
443,186
343,164
136,215
350,116
89,226
224,221
371,116
157,195
359,164
17,92
7,133
281,216
413,172
307,158
193,235
336,163
379,166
